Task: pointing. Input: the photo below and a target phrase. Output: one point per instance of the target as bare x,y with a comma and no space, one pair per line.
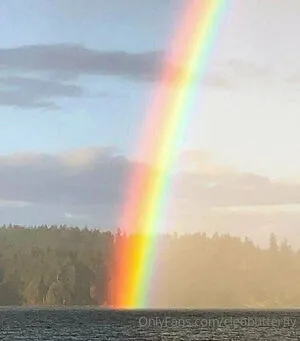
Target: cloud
74,60
63,62
28,92
68,61
84,187
87,186
215,189
93,176
210,197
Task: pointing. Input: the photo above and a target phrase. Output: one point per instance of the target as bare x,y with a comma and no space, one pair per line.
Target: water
95,324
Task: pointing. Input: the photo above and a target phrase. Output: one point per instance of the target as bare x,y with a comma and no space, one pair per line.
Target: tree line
60,265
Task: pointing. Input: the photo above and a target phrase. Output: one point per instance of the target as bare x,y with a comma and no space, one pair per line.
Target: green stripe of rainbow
166,121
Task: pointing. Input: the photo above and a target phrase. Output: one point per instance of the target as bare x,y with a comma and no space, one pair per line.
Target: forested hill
53,265
70,266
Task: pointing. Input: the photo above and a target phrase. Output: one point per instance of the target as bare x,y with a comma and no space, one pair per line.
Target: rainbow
163,130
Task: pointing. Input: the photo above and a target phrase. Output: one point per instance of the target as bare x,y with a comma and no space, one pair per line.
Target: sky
76,78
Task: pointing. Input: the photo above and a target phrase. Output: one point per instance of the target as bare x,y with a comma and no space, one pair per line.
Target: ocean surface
96,324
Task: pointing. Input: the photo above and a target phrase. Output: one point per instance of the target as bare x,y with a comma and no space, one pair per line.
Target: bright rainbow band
165,124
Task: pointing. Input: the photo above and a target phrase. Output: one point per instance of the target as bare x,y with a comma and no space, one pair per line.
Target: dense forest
53,265
59,265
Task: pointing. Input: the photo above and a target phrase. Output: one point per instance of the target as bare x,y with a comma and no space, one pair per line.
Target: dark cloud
78,60
87,187
93,176
65,62
28,92
96,177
